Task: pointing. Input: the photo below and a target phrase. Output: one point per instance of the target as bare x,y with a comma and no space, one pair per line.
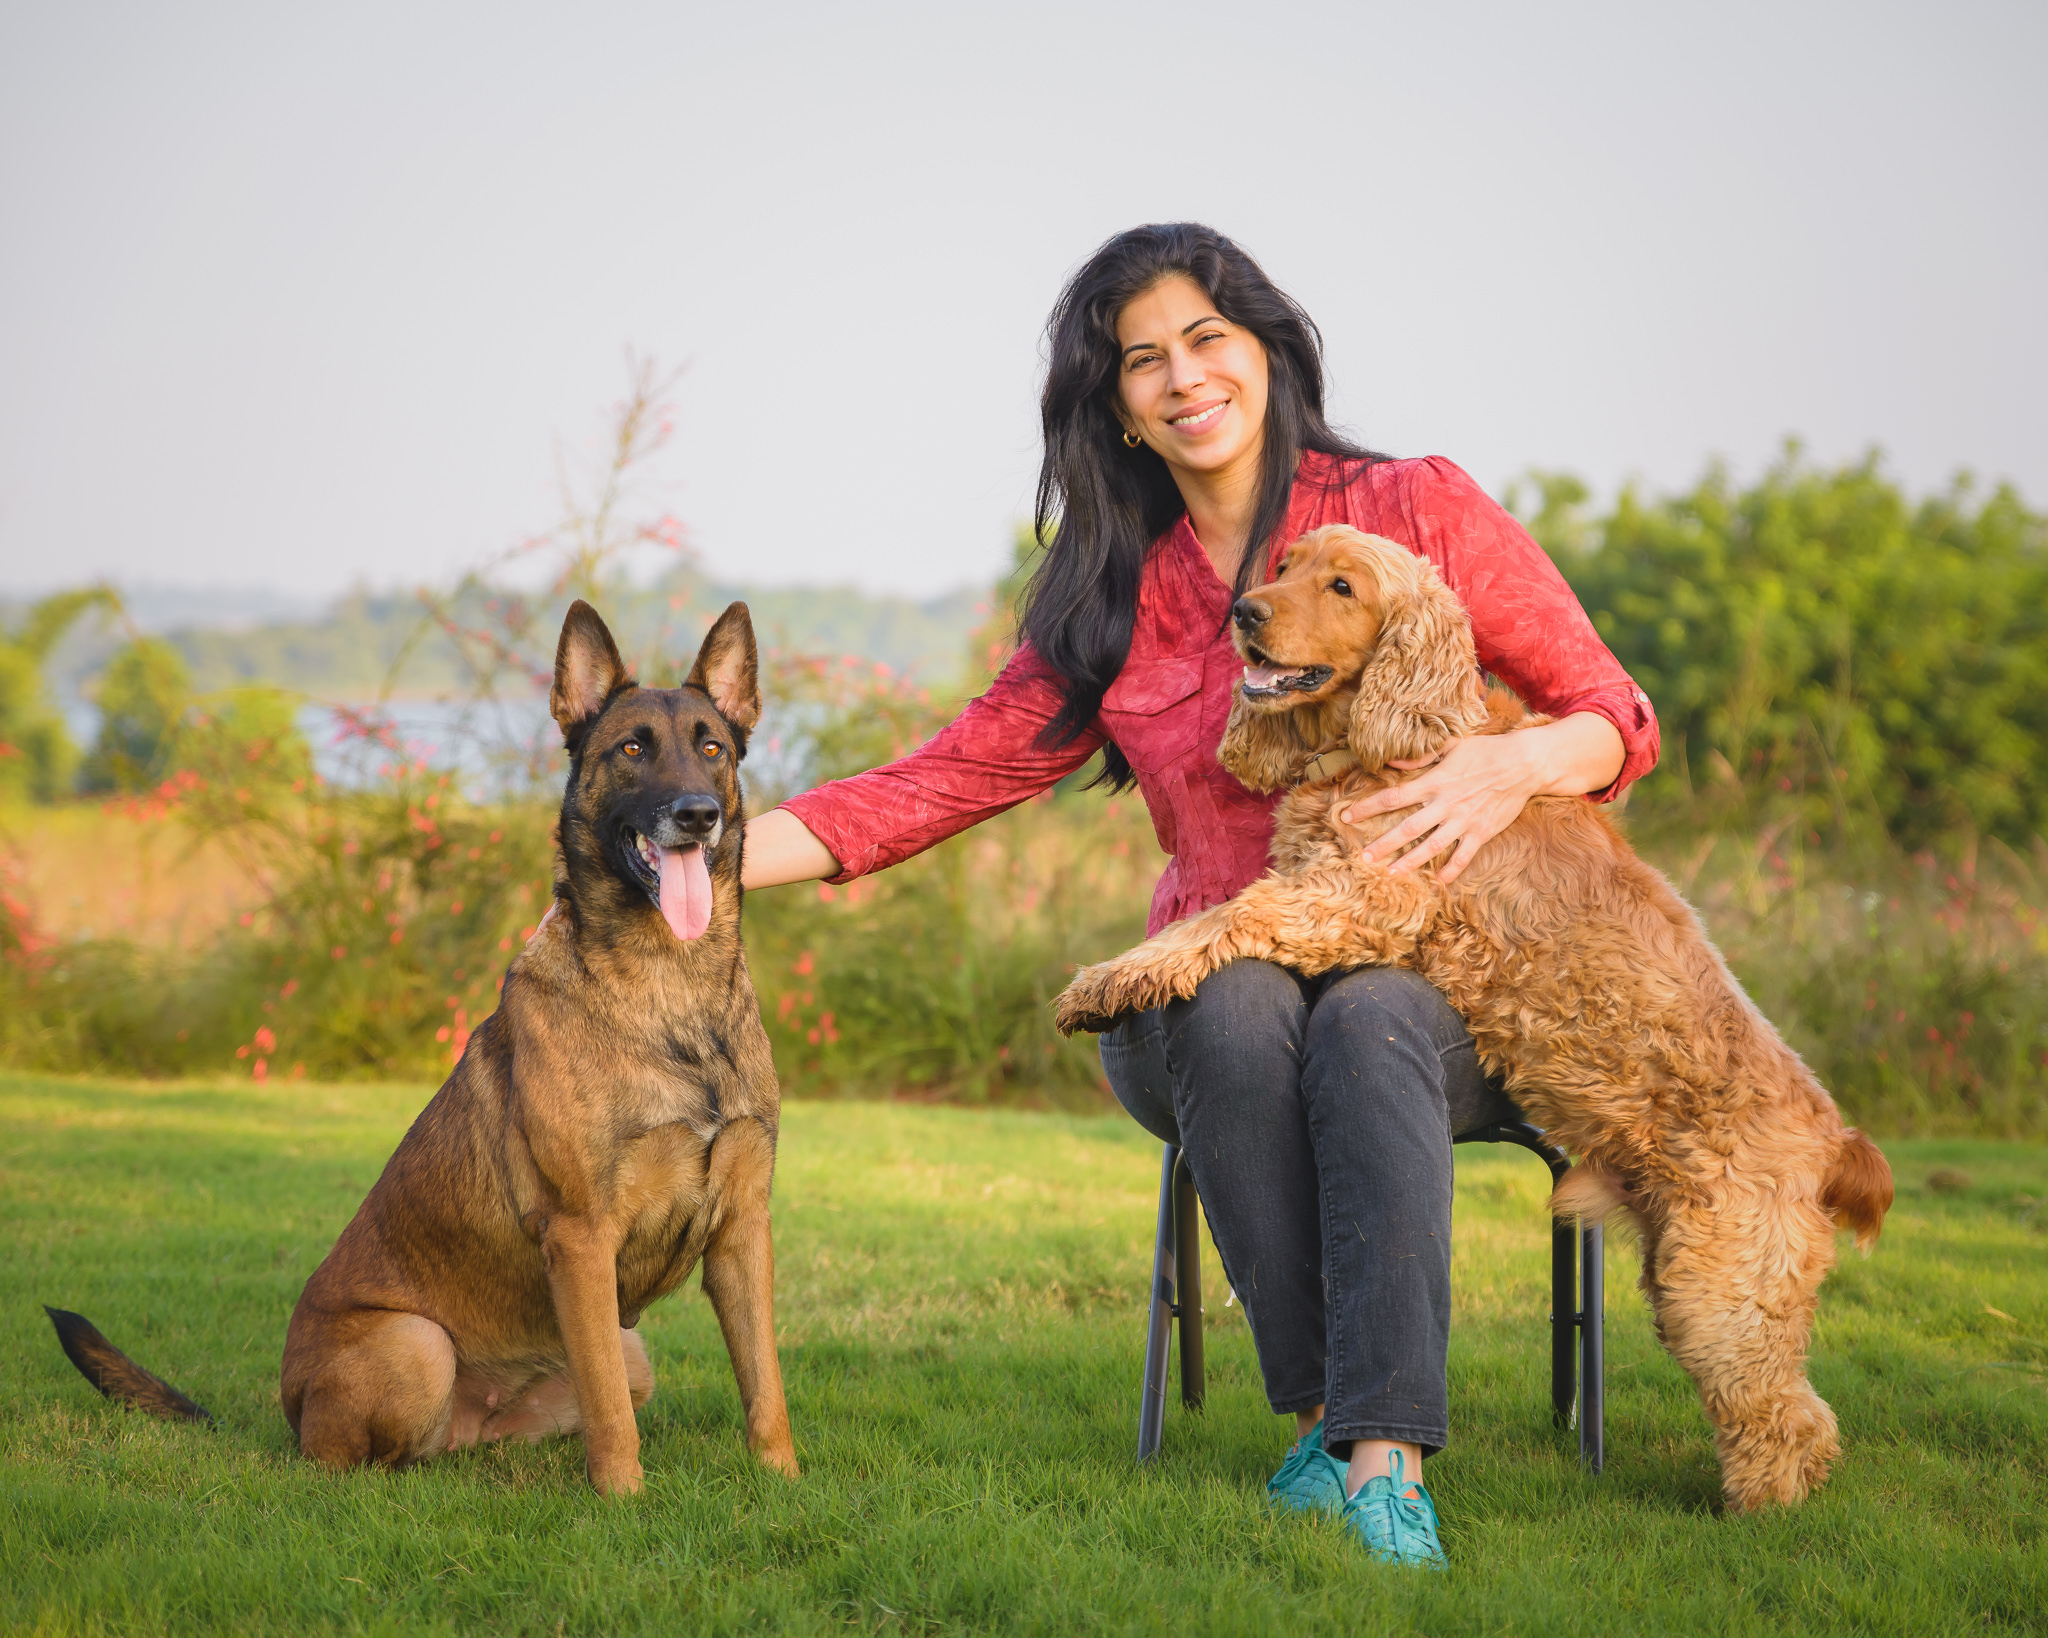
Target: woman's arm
1478,787
985,760
781,849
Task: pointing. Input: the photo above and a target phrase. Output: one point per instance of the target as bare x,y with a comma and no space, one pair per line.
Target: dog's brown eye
1341,587
632,747
713,749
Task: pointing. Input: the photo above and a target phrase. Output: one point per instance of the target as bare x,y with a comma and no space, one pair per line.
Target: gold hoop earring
1132,438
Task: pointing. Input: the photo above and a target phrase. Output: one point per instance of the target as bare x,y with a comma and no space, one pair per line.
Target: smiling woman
1185,448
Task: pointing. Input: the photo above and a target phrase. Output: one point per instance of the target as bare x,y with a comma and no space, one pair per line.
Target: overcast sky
300,296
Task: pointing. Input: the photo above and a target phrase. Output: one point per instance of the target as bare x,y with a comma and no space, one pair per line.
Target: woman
1185,446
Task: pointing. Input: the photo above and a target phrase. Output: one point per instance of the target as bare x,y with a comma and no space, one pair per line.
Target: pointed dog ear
728,669
1263,750
1421,686
588,672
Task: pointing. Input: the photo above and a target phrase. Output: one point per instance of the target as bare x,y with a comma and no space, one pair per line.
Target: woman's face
1192,384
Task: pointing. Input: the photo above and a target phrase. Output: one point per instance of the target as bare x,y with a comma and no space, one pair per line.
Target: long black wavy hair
1101,504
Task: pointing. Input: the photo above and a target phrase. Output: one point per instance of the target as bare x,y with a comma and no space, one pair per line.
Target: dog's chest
662,1186
691,1076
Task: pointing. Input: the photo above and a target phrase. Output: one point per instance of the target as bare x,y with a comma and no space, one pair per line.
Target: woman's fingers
1417,825
1454,867
1432,846
1391,799
1471,794
1386,801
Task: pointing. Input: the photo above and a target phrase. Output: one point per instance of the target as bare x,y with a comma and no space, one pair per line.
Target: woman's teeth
1208,414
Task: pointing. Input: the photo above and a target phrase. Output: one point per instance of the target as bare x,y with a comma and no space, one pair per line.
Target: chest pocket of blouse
1153,711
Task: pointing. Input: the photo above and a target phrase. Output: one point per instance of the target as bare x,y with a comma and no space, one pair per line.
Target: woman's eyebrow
1186,329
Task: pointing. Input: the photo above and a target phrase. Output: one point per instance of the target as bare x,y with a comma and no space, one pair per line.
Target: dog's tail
1859,1189
116,1375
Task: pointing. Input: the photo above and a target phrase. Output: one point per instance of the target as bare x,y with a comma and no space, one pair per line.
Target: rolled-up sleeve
986,760
1529,627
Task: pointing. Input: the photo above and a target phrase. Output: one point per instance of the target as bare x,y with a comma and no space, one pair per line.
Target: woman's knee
1244,1006
1376,1006
1134,1062
1382,1042
1240,1035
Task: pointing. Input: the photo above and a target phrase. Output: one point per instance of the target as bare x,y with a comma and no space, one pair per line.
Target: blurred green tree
143,693
1820,639
37,756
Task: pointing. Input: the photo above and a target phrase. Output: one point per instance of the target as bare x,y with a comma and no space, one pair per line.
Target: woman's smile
1200,419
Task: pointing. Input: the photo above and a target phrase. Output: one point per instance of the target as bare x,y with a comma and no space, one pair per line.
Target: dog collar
1327,765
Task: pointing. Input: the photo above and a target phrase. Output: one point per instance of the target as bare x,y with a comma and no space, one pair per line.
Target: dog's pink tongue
685,891
1265,676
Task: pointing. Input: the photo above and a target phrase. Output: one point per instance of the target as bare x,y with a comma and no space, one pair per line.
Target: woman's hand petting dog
1477,787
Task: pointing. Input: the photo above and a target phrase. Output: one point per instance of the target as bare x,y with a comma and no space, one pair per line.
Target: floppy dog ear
1262,749
728,668
1421,686
588,672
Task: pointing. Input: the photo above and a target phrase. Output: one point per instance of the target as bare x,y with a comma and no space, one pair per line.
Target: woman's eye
632,747
1341,587
713,749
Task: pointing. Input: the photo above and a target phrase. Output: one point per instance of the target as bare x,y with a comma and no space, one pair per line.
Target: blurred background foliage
1821,634
1853,791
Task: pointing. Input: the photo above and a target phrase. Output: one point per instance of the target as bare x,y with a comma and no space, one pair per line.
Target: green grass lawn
961,1323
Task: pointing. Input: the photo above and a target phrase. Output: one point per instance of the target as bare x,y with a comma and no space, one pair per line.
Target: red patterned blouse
1167,709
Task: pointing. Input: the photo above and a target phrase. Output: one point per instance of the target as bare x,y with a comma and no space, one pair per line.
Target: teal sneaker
1395,1528
1310,1480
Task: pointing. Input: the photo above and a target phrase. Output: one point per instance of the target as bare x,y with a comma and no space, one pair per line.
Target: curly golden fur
1588,984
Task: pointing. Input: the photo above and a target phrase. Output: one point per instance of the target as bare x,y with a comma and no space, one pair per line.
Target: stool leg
1159,1324
1187,1269
1593,1351
1564,1318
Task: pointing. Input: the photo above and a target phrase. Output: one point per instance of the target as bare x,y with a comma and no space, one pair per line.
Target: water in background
508,749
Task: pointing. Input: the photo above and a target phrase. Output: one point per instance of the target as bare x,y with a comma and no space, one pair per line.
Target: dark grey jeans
1317,1117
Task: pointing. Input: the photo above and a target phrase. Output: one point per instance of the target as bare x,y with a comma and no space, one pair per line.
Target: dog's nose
1249,612
696,814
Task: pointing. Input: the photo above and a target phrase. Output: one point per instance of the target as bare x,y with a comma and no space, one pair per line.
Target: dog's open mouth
1266,680
677,879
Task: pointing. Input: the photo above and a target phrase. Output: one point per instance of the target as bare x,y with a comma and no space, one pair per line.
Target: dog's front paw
1102,996
1080,1007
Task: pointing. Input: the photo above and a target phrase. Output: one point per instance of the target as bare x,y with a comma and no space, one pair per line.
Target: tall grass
1917,988
383,919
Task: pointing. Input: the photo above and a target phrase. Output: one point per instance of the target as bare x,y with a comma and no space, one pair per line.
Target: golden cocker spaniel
1588,984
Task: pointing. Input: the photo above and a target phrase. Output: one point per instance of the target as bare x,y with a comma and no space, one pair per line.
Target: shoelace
1295,1466
1409,1521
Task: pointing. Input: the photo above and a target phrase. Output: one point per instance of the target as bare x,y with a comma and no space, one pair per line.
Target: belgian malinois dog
612,1125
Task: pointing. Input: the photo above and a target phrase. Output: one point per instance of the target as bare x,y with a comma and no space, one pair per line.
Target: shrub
1818,642
37,757
142,698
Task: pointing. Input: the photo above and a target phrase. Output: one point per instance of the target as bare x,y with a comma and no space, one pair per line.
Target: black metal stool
1577,1350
